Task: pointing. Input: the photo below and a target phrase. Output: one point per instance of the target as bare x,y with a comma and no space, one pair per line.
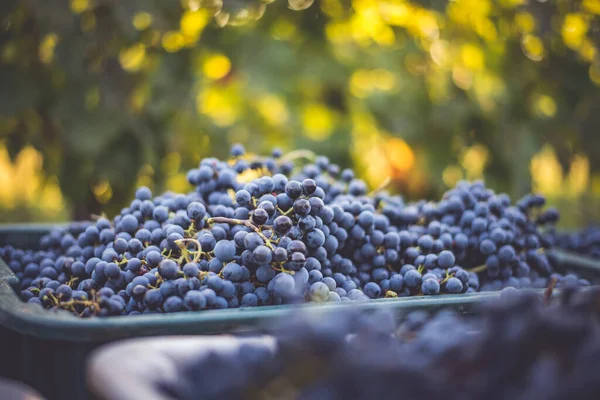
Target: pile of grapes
515,349
276,230
585,242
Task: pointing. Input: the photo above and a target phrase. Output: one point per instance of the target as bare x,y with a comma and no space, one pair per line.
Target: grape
487,247
232,272
259,217
173,304
319,292
280,255
249,300
262,255
301,207
315,276
112,270
446,259
153,299
315,238
430,286
237,150
252,241
143,193
454,285
412,278
129,223
168,269
283,285
372,290
225,250
196,210
191,270
293,189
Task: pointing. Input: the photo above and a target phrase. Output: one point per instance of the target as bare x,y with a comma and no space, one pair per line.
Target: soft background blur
99,96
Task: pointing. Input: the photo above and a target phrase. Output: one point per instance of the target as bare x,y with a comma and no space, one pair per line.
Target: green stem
245,222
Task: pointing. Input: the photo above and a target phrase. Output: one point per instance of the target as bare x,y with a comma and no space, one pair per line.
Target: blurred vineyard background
99,96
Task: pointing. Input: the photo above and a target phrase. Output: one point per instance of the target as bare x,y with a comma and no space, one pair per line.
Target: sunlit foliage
424,93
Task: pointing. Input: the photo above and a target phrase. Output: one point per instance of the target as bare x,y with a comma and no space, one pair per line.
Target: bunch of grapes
585,242
267,230
516,348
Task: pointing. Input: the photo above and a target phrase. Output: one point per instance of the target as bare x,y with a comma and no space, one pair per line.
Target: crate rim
33,320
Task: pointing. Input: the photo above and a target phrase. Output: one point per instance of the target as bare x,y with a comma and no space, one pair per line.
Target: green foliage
102,88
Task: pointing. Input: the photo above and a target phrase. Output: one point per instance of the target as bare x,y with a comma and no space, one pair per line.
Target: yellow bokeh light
525,22
79,6
594,72
142,20
219,105
383,79
363,81
439,51
173,41
51,197
579,176
283,29
318,121
132,58
192,24
486,29
574,29
400,155
369,153
216,66
587,50
533,47
47,46
473,159
462,77
298,5
88,21
273,109
546,173
92,98
545,106
451,175
592,6
359,83
333,8
395,13
139,97
472,56
170,163
102,191
39,193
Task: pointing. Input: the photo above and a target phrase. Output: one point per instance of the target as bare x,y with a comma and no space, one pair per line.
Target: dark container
47,349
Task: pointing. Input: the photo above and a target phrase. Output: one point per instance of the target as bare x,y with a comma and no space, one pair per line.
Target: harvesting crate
47,349
13,390
117,371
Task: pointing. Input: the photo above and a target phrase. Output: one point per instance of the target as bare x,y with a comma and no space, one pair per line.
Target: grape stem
383,185
185,251
549,290
478,269
245,222
294,155
286,213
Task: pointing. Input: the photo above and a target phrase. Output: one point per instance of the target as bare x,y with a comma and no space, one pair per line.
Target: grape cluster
516,348
585,242
270,230
503,243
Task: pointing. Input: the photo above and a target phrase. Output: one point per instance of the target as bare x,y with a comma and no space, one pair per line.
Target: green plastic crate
46,349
